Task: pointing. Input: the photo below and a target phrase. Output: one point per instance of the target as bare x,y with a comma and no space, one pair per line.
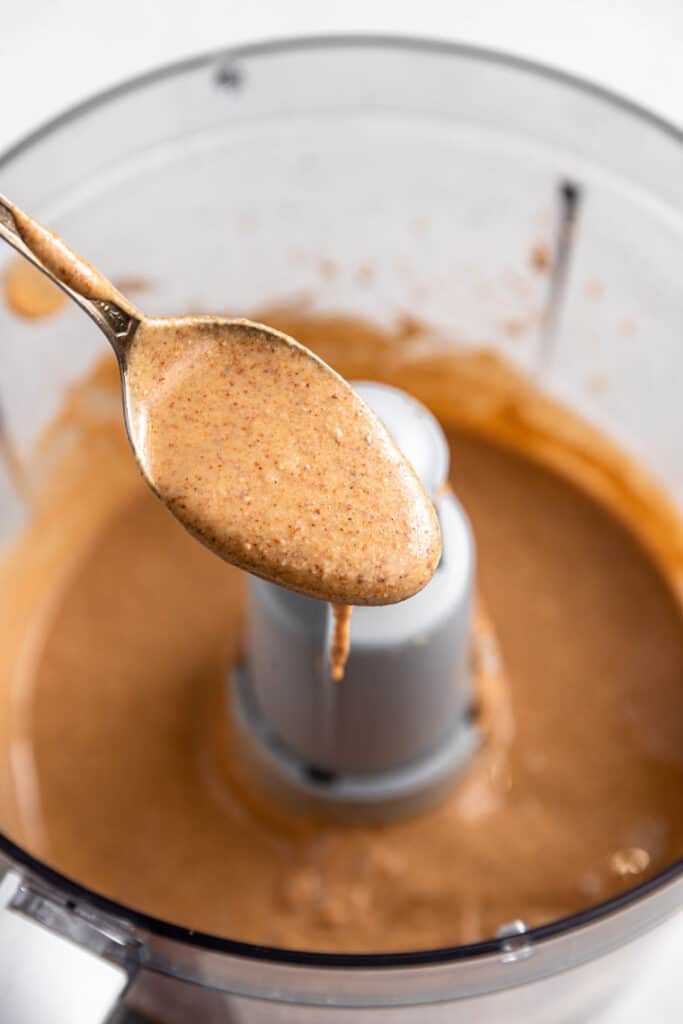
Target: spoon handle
116,317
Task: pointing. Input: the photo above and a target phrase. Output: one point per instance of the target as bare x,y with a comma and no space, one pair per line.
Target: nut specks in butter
271,458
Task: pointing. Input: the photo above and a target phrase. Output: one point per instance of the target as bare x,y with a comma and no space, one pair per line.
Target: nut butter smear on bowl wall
258,447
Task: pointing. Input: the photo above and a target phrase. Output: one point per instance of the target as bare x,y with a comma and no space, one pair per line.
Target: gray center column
391,736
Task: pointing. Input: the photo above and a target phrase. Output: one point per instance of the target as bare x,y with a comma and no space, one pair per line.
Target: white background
54,52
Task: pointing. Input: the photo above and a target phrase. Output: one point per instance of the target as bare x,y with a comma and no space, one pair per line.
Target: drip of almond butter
341,641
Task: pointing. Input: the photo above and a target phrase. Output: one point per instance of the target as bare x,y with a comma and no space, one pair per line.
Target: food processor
495,199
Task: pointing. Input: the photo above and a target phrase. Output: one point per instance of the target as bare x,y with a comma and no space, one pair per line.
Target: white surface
54,52
75,987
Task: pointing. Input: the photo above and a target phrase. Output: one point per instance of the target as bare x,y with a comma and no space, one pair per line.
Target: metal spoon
117,318
363,531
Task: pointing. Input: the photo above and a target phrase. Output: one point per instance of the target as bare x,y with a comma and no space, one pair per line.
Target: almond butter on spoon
258,447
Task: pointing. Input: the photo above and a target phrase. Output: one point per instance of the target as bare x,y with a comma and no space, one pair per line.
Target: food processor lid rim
273,954
341,41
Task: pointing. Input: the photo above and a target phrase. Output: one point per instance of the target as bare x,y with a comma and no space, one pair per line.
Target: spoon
258,447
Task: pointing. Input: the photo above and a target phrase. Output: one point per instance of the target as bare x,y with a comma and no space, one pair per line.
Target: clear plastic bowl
228,181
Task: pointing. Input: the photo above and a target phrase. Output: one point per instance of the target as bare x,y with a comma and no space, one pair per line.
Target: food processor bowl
435,180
